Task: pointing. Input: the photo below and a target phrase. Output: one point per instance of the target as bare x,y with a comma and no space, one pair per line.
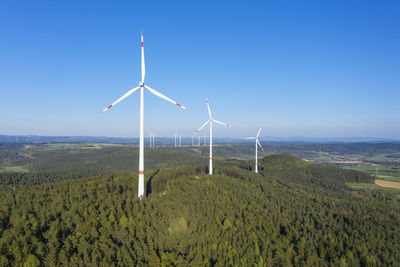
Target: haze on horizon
313,68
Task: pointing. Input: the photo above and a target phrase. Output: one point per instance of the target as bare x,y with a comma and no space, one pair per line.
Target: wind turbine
142,86
151,137
257,144
210,121
175,136
180,140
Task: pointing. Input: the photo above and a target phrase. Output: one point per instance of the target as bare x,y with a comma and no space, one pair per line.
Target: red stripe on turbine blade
179,104
109,106
228,125
211,158
142,44
141,172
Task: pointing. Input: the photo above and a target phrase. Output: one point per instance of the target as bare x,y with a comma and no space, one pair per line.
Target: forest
293,213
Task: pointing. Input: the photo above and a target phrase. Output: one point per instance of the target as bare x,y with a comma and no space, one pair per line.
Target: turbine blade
121,98
222,123
202,126
143,66
259,145
259,131
208,106
154,92
249,138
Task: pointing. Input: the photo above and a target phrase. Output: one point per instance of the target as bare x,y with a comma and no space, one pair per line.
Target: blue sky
299,68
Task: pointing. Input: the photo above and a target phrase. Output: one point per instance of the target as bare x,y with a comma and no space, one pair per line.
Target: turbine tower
175,136
257,144
151,137
142,86
210,121
150,140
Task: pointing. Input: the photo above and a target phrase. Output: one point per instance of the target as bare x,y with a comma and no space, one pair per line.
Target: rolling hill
292,213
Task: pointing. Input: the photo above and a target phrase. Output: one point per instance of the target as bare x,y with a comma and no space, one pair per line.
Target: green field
389,178
361,186
14,169
364,186
389,173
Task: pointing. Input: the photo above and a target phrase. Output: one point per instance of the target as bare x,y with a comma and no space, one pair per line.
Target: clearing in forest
390,184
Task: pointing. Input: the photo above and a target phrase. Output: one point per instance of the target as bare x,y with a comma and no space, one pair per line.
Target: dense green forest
291,213
50,165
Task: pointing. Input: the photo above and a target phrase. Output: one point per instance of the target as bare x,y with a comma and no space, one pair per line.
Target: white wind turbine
257,144
210,121
175,136
151,137
154,136
142,86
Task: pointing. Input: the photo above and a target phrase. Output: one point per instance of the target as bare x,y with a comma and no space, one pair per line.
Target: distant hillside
293,170
292,213
273,140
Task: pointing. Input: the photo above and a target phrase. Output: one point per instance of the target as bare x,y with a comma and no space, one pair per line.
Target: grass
385,171
361,186
389,178
14,169
381,158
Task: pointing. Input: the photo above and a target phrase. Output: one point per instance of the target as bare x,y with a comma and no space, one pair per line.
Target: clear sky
299,68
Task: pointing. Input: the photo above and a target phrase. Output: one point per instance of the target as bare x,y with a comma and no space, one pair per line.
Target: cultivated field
388,184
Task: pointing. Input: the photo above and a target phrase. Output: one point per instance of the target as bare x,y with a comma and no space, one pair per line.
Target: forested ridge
292,213
46,166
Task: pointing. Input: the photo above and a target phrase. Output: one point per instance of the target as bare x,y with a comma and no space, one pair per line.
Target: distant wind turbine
151,137
210,121
180,140
150,141
175,136
142,86
257,144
